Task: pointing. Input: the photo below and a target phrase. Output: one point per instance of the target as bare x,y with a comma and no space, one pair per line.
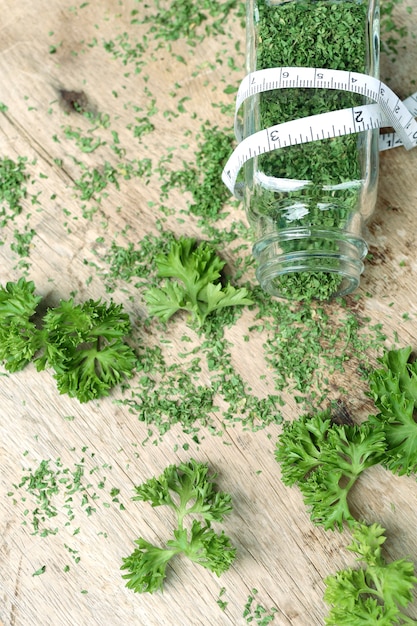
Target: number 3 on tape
387,110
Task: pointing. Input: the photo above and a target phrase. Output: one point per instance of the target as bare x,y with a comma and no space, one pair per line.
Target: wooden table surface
47,51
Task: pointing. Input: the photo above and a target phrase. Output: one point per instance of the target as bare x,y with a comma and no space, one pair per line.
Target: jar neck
308,263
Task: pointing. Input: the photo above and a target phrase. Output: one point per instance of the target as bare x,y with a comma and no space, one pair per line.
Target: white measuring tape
388,110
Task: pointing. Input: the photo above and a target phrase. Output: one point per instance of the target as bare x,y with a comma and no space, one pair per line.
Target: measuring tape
388,110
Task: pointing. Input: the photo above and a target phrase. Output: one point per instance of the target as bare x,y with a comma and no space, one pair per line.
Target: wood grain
280,552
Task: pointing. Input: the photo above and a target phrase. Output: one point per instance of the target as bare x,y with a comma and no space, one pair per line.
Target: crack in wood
13,610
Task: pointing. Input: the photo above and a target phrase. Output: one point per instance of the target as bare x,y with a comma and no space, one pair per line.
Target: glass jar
308,203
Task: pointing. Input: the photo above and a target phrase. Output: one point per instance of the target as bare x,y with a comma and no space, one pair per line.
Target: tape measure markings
313,78
411,104
389,110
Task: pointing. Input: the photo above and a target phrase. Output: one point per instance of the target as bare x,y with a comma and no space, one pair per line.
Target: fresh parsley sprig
196,287
325,460
187,489
19,337
84,343
195,489
393,388
375,593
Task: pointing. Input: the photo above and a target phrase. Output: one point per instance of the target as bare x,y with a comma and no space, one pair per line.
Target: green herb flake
13,180
202,179
40,571
256,613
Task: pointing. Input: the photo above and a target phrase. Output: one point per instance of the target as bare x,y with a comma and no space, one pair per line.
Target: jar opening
306,264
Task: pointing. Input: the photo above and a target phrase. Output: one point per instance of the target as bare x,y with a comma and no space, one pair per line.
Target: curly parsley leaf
164,302
300,446
375,593
187,489
394,391
207,548
196,272
146,567
19,337
325,460
84,345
